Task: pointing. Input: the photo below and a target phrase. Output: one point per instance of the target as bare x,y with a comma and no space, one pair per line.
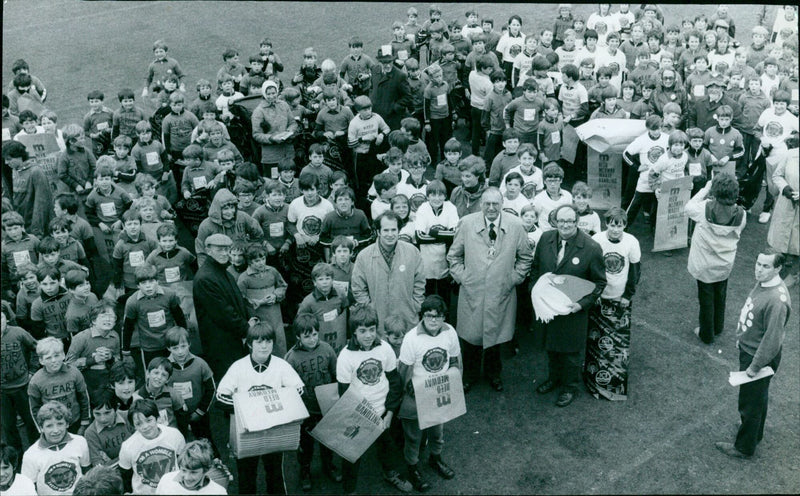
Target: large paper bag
440,397
350,426
265,408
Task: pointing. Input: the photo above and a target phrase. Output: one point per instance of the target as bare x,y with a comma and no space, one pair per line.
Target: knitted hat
266,85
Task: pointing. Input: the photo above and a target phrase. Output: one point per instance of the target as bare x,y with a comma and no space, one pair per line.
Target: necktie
492,232
561,252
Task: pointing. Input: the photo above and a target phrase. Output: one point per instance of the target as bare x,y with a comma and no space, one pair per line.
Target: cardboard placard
439,397
327,396
610,135
44,147
333,330
604,176
569,146
672,226
350,427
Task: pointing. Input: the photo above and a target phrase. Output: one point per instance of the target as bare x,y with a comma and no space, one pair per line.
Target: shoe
441,468
332,473
764,217
697,331
546,387
565,399
305,479
467,386
416,480
497,385
730,450
393,478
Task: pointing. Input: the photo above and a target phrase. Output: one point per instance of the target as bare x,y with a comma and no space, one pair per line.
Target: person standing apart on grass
759,337
784,231
490,256
569,251
720,222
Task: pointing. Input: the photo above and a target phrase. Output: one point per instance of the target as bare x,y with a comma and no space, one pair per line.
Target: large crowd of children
97,323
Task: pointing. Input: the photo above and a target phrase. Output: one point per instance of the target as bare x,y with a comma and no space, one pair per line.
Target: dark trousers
441,131
273,468
630,178
306,451
492,366
565,369
753,402
201,429
712,308
751,144
646,200
476,131
494,145
383,449
15,402
439,287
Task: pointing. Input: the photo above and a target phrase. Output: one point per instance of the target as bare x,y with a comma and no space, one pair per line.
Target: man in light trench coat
490,256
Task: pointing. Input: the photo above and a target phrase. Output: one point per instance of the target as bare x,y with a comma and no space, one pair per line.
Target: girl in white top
511,43
435,224
671,165
194,463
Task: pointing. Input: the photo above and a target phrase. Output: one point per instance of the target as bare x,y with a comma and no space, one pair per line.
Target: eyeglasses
433,316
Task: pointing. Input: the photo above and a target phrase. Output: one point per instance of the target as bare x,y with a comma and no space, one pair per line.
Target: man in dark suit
567,250
391,94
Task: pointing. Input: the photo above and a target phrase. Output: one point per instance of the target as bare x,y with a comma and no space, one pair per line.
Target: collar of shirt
252,271
146,394
96,333
118,420
140,295
45,444
423,329
388,255
185,364
260,367
772,282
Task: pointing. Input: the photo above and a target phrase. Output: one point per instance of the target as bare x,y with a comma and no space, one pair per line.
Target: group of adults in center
489,258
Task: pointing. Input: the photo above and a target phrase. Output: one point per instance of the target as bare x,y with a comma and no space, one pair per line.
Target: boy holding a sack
428,349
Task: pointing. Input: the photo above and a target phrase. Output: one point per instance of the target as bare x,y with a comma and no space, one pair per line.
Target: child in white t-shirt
194,462
552,197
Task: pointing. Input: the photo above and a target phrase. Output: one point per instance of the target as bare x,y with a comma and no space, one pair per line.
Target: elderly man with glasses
567,250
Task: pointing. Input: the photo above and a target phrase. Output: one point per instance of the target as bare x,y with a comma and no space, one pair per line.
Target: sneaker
764,217
440,467
393,478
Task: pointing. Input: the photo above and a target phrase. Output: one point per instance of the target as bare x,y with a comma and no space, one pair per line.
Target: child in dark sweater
17,345
315,363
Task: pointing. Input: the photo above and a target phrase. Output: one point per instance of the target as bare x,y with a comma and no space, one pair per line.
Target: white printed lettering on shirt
276,230
172,274
184,389
6,134
152,158
402,54
136,258
529,114
330,316
108,209
156,319
102,126
555,137
699,90
341,287
386,49
21,257
199,182
694,169
441,100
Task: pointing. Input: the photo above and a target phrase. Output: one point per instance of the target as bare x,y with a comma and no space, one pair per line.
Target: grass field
659,441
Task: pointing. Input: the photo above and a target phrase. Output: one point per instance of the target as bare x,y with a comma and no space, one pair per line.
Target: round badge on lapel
402,268
576,261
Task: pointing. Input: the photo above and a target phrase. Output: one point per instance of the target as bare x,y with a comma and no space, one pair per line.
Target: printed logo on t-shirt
529,190
434,360
152,464
61,476
514,50
654,153
416,200
614,262
773,129
370,371
312,225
